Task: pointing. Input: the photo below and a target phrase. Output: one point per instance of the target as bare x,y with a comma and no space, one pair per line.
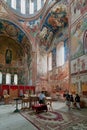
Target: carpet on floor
55,120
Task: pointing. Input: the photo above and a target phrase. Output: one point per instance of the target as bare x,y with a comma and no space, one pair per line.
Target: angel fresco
54,22
43,32
57,18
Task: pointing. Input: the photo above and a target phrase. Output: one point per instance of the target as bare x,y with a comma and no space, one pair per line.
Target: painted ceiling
13,38
44,28
11,30
55,23
7,43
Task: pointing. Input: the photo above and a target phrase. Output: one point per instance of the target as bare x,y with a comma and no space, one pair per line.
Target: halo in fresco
11,30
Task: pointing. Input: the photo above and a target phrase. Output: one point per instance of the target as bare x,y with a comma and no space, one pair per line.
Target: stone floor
14,121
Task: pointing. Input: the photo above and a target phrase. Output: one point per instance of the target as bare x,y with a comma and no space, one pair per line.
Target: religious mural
78,7
8,56
79,65
85,41
10,29
78,37
79,84
58,78
31,26
79,75
56,21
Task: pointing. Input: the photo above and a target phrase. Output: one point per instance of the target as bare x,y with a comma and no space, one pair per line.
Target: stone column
34,67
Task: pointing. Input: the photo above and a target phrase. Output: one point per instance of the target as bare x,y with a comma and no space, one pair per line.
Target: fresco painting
83,84
56,20
77,35
78,7
85,41
10,29
79,65
8,56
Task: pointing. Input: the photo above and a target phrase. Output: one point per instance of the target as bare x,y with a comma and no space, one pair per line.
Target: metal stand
16,99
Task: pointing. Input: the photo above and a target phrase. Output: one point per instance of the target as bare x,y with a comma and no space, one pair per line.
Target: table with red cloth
39,107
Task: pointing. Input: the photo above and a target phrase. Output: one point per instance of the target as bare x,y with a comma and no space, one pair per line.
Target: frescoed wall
79,74
79,85
78,48
59,79
79,65
78,8
78,38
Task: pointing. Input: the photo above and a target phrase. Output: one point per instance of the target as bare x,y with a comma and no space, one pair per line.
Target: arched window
8,78
13,4
28,7
50,61
60,54
38,4
31,7
23,6
0,77
15,79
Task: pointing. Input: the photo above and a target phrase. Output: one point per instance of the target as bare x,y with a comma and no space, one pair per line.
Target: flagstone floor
14,121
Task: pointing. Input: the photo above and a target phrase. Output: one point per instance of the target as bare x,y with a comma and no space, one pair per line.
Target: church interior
43,47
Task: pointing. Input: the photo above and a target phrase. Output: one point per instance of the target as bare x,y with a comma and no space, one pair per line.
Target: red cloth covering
4,87
39,107
14,87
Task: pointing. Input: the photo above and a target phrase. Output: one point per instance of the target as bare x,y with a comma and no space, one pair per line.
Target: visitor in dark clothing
68,100
77,100
72,101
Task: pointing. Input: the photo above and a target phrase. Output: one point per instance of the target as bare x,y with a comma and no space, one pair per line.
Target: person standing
77,100
68,103
42,98
72,101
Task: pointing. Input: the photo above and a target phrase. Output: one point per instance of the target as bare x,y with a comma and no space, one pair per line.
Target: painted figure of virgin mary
8,56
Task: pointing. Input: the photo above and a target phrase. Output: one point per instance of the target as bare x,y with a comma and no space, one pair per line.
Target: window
15,79
8,78
50,61
38,4
0,78
60,54
23,6
13,4
31,7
